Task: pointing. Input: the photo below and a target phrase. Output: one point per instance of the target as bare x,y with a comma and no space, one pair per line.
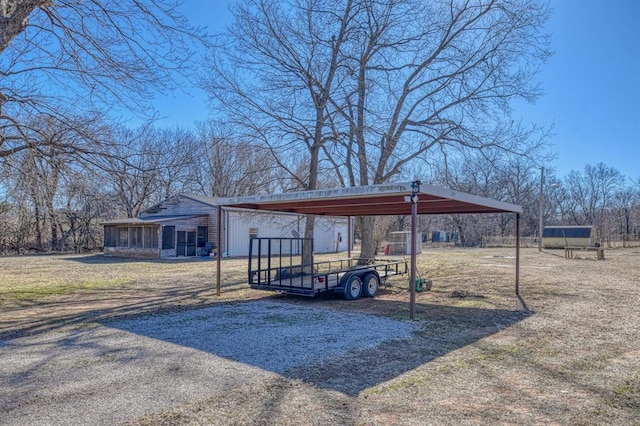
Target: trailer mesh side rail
278,264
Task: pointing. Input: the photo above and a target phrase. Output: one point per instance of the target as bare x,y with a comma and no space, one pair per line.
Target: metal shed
400,243
405,198
569,236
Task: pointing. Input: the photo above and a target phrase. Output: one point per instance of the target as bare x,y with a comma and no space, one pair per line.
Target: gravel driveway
121,370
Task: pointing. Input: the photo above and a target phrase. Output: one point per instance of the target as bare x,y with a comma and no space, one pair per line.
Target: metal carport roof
373,200
404,198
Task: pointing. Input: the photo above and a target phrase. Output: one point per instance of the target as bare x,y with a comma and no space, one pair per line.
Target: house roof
372,200
567,231
157,208
210,201
150,220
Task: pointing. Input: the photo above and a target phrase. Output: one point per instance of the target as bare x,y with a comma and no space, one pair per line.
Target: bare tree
130,170
432,79
501,175
86,204
58,155
590,195
624,205
274,75
233,168
368,87
60,58
179,161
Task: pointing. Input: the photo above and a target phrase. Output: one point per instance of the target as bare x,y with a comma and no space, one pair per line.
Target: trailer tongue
281,264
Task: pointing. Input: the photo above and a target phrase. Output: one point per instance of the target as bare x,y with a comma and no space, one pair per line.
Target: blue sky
591,84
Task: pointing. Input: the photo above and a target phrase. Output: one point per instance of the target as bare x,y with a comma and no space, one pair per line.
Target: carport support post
218,244
518,254
415,187
349,238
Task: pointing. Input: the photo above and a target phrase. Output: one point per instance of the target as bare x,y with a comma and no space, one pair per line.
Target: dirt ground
566,352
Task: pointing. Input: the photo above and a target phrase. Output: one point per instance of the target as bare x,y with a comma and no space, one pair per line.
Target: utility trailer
280,264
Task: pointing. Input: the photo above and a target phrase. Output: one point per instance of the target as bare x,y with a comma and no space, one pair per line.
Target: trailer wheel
353,288
370,285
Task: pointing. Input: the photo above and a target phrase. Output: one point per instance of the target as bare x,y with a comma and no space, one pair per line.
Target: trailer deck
277,264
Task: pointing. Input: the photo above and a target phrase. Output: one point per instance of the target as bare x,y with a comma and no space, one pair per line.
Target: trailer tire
370,285
353,288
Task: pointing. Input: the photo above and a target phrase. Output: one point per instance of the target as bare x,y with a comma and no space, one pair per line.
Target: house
569,236
186,225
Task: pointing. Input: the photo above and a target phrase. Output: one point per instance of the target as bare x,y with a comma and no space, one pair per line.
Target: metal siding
281,225
326,232
323,237
269,225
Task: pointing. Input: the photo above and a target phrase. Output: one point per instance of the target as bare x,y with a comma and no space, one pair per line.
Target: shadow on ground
345,351
101,259
103,304
326,341
444,330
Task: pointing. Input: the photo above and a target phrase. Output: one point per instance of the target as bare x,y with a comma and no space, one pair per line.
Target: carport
405,198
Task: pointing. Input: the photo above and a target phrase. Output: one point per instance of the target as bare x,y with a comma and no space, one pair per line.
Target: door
181,244
191,243
186,243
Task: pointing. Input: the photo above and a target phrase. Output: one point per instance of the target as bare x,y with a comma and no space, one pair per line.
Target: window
123,237
135,237
203,236
131,237
151,237
168,237
253,233
110,236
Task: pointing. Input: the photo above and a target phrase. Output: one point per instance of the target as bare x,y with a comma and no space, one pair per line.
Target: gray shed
569,236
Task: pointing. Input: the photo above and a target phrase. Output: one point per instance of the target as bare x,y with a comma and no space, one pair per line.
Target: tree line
305,94
56,201
597,195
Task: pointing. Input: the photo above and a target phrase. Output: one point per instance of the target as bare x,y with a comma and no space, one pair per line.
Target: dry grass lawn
567,352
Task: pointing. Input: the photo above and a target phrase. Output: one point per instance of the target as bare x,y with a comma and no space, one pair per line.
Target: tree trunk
13,18
54,235
309,227
367,245
39,226
307,246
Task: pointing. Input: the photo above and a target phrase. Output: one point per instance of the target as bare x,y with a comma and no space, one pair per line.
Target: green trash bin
418,284
422,285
